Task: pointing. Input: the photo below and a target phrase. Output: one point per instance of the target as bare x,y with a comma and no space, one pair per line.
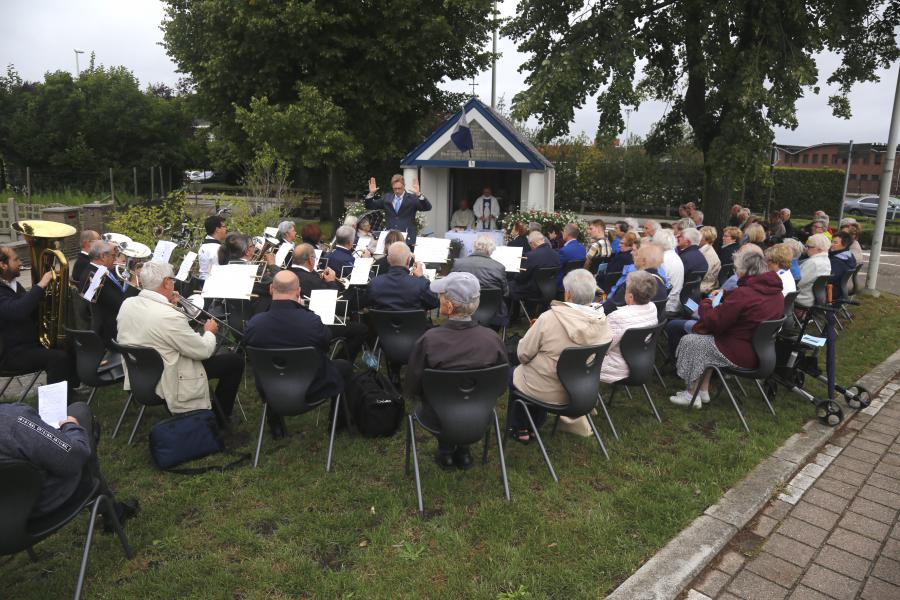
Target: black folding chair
571,265
464,402
638,348
764,348
488,305
398,332
545,280
578,370
284,375
89,353
725,272
145,368
609,280
691,288
20,488
11,374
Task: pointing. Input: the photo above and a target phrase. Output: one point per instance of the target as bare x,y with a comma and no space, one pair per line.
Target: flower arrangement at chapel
560,218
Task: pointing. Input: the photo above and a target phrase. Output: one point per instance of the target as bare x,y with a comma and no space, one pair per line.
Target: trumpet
192,308
264,244
135,254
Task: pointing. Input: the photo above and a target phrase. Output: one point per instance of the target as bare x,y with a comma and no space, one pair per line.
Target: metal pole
884,192
152,190
494,63
846,180
112,189
28,183
162,191
134,176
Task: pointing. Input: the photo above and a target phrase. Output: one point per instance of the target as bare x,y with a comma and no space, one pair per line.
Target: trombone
192,308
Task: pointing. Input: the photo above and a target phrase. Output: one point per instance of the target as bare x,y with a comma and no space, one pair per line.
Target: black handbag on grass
188,436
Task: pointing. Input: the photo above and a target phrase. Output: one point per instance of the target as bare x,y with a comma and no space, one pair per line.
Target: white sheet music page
163,251
270,232
432,250
324,304
234,282
510,256
96,280
186,263
429,274
283,250
52,403
379,247
360,273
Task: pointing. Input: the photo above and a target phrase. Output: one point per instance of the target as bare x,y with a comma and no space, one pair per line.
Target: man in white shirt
673,266
463,217
208,255
486,209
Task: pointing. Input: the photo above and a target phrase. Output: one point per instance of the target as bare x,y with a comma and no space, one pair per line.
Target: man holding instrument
400,207
189,359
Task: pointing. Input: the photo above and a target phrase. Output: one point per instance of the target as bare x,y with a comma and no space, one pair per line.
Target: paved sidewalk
833,532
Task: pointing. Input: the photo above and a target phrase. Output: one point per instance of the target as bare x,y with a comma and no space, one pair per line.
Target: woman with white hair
672,266
723,337
573,322
812,268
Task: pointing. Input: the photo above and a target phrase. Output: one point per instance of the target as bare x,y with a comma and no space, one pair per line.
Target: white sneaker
704,397
683,398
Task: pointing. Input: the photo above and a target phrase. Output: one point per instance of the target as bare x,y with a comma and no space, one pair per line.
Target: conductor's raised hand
373,187
211,326
415,186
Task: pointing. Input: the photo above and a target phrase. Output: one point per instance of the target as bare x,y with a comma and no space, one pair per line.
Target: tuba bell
42,238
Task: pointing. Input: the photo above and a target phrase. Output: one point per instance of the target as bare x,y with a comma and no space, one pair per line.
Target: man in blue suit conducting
399,206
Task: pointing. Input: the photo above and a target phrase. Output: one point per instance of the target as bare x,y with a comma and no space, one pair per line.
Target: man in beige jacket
190,360
567,324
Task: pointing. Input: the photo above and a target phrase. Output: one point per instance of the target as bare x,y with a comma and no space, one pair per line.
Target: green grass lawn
288,530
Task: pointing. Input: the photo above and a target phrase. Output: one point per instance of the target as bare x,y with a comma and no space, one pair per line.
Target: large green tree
380,62
731,69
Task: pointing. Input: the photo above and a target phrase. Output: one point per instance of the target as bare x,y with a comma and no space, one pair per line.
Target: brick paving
833,533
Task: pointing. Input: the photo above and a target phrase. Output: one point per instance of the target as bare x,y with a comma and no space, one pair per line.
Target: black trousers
91,470
516,418
228,368
354,335
58,364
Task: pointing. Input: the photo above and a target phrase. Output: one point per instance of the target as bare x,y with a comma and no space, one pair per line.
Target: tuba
42,238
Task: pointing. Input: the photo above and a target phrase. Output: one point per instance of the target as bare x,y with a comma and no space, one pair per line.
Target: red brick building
866,167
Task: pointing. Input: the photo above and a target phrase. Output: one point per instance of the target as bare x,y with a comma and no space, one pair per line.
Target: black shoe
462,458
124,511
277,427
445,460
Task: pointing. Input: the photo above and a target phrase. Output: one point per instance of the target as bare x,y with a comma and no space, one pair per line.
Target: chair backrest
638,348
660,309
571,265
464,400
820,293
488,305
89,351
844,283
398,331
725,272
545,280
145,368
789,300
20,488
609,280
578,369
691,288
764,347
853,278
284,375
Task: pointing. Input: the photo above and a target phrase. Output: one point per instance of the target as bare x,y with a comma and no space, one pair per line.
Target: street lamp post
77,67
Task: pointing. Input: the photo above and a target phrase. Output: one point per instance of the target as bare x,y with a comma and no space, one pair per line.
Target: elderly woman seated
573,322
817,265
639,311
723,337
779,259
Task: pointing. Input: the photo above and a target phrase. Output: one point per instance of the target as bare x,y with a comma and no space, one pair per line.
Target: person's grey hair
691,234
535,237
632,223
651,254
303,253
581,285
847,221
786,210
534,226
750,264
823,220
484,244
153,273
700,213
466,309
99,247
685,223
398,254
344,235
795,245
653,222
819,241
283,228
744,212
571,230
823,216
642,286
89,235
351,220
665,239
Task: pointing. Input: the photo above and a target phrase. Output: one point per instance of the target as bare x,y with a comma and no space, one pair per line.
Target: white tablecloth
467,238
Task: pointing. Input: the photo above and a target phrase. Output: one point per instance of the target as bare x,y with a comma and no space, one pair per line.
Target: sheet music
163,251
283,250
510,256
432,250
186,263
363,243
379,247
53,403
324,304
360,273
429,274
95,282
270,232
233,282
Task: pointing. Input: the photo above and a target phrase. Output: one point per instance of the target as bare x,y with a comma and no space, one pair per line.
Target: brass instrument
42,238
192,308
264,244
135,254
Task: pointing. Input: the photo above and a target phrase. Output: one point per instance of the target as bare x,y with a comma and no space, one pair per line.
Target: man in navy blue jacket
341,259
540,256
289,324
400,207
689,251
397,289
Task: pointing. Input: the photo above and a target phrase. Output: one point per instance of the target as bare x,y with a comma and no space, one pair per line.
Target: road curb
670,570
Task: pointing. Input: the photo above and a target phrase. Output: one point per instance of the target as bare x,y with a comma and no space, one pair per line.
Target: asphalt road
888,272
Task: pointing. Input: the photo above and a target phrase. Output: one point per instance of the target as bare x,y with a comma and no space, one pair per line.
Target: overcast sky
38,36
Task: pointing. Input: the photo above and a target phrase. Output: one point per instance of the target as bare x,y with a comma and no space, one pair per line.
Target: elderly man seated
398,289
638,311
341,259
459,344
463,217
573,322
489,272
812,268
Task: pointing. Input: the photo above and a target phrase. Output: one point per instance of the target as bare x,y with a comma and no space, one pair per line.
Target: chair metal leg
6,385
597,435
525,310
122,416
487,440
334,419
659,376
117,525
652,405
733,401
502,457
537,434
237,398
406,465
606,412
29,386
415,457
95,506
136,425
262,428
740,387
694,397
91,397
334,349
627,391
612,393
555,425
766,398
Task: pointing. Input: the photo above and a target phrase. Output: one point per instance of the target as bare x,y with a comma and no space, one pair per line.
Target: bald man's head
285,286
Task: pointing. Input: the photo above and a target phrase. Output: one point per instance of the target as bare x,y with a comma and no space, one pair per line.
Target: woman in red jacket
724,335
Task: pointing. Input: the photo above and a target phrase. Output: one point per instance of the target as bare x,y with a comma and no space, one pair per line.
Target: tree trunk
716,197
332,207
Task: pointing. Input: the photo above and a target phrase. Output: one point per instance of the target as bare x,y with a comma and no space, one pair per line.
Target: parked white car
198,175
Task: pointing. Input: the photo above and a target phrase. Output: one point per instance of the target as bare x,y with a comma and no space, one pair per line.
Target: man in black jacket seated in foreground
459,344
289,324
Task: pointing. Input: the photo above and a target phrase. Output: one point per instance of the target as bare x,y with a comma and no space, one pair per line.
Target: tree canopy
731,69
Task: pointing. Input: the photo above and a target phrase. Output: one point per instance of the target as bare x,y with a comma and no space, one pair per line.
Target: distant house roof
497,144
841,146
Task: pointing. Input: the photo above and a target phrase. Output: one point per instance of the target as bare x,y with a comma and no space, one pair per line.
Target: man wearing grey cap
459,344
